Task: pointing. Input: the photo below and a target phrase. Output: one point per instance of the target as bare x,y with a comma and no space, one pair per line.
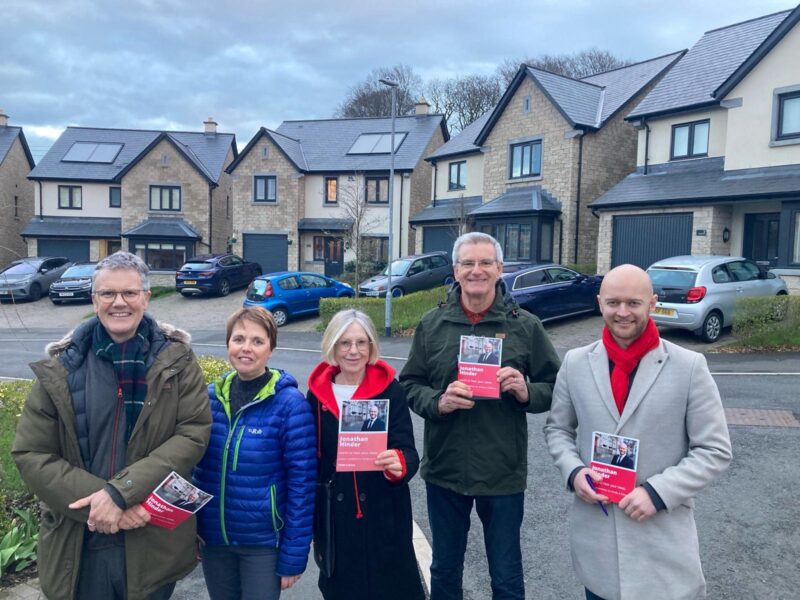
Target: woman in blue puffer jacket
261,468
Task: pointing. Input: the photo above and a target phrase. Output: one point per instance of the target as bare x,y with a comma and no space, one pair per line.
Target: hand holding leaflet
594,489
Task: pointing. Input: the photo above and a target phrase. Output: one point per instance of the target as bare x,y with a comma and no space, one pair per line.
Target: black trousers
103,575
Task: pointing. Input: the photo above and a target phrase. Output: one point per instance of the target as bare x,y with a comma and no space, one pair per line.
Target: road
747,520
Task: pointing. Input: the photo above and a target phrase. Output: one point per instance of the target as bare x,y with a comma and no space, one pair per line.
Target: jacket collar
376,379
502,305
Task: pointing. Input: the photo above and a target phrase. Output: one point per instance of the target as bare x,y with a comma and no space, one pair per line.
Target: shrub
406,310
12,398
585,268
768,322
213,367
18,546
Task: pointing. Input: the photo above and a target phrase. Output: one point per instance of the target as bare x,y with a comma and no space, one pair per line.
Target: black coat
375,557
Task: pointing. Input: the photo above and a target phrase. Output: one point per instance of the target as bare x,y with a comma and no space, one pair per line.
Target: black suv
215,274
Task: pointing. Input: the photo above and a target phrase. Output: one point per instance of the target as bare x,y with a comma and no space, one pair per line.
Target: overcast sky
170,64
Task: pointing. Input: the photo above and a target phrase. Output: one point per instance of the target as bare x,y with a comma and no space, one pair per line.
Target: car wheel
280,315
449,280
224,287
35,292
711,328
397,292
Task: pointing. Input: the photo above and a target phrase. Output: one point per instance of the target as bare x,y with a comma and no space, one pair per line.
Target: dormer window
689,140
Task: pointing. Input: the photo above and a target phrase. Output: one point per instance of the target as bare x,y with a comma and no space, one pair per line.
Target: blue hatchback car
292,293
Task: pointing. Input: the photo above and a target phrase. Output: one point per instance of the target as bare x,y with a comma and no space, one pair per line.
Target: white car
699,293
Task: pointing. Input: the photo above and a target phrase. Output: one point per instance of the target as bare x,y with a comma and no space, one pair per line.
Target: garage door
643,239
269,250
438,238
75,250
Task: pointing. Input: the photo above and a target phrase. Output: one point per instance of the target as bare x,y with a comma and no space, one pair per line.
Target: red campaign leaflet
174,501
479,361
363,434
615,457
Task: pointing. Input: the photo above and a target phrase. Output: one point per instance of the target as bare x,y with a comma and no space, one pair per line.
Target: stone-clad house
163,195
16,195
295,189
718,167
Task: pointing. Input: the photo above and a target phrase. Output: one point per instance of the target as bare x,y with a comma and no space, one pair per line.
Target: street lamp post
388,319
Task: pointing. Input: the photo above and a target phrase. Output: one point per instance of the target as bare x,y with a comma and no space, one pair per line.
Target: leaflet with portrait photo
615,457
173,501
479,360
363,434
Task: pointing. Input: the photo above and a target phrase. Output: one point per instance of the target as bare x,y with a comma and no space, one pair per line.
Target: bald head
627,277
626,300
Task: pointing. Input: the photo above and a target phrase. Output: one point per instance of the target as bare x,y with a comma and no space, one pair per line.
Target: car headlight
345,284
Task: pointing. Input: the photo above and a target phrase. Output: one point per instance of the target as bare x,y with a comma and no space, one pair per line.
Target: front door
334,252
761,238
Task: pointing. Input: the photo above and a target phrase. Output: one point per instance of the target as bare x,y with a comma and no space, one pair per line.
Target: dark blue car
551,291
292,293
215,274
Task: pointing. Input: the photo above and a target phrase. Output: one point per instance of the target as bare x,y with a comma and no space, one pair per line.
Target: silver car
30,278
699,292
411,274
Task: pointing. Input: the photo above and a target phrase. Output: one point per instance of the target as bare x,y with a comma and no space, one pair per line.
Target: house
305,193
163,195
16,195
551,146
718,167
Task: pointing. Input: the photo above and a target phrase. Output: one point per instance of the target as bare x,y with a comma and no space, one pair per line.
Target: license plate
189,283
667,312
65,294
372,293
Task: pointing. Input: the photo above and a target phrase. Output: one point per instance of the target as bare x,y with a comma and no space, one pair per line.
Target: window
329,192
720,275
265,188
115,197
163,256
530,279
16,207
165,197
319,247
526,159
92,152
227,207
526,104
458,175
788,115
796,237
290,283
558,274
689,140
743,270
376,143
514,239
377,189
69,197
313,281
437,262
375,249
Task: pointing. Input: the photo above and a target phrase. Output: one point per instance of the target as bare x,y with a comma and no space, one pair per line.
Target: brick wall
13,172
222,214
421,182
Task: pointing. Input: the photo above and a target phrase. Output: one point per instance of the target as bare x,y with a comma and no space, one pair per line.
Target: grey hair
477,237
336,328
123,260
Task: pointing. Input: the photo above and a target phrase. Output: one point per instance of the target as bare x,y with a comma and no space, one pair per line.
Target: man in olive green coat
476,448
119,404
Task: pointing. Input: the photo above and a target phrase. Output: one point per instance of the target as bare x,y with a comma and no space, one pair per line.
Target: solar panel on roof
92,152
376,143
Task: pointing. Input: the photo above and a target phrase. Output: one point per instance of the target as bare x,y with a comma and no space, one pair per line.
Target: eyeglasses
470,264
345,345
108,296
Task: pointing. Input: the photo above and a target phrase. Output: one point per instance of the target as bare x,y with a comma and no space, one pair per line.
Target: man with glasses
476,448
120,403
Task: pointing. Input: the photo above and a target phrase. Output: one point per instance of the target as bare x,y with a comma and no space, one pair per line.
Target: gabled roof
715,64
519,200
450,209
586,103
320,146
204,152
464,142
7,136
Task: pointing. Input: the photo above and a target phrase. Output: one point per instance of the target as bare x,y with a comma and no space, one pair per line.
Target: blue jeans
449,519
241,572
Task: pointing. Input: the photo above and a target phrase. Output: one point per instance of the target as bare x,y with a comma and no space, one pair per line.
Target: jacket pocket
58,555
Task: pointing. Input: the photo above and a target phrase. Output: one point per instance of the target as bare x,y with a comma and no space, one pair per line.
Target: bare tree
352,199
578,65
370,98
463,99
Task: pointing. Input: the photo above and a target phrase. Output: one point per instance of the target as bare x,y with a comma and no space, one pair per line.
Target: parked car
699,293
551,291
411,274
215,274
29,278
289,294
74,284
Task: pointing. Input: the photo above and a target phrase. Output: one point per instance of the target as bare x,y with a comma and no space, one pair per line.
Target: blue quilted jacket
261,467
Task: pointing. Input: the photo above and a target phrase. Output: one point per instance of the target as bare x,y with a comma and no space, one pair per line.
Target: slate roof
163,228
325,224
464,142
205,152
446,210
713,62
7,136
519,200
68,227
699,182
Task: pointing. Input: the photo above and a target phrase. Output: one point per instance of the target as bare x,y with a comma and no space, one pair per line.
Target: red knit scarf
625,360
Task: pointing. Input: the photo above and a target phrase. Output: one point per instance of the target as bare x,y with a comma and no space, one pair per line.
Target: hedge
768,321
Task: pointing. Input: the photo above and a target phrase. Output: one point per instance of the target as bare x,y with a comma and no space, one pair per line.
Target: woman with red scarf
373,556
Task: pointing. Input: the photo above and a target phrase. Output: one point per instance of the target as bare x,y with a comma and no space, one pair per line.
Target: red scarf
625,360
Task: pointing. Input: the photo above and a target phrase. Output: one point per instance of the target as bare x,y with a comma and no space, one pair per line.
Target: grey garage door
438,238
643,239
75,250
269,250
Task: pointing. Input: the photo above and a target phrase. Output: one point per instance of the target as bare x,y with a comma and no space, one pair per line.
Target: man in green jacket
120,403
476,448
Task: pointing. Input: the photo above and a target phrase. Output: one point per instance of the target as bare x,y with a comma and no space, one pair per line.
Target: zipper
224,477
236,451
273,496
115,434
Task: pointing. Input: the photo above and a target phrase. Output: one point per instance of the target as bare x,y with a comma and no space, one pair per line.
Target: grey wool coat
674,409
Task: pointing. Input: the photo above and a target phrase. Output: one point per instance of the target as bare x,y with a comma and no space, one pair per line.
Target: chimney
210,126
421,107
3,118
